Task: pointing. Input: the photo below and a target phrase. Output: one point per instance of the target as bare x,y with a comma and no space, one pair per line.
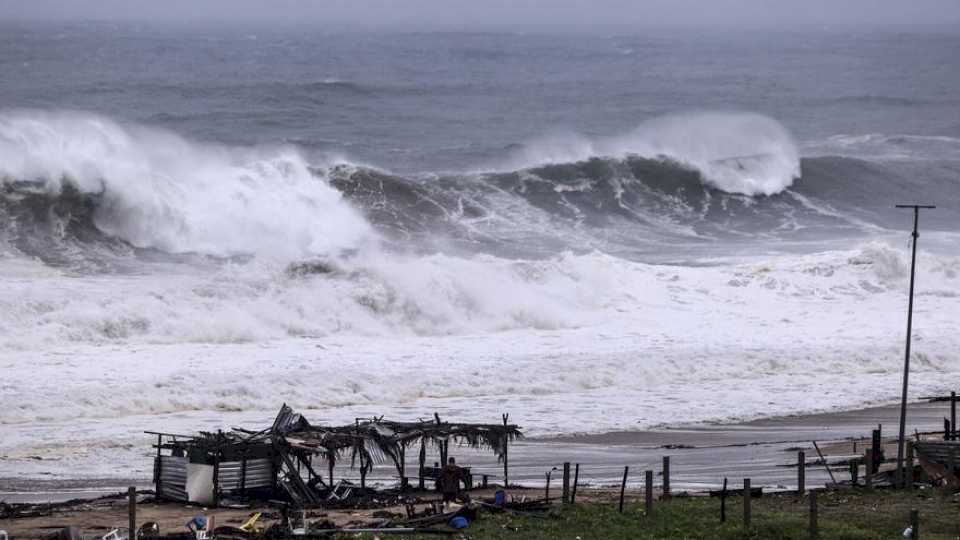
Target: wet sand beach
701,456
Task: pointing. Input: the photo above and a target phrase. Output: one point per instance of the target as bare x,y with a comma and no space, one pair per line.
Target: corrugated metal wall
173,477
259,474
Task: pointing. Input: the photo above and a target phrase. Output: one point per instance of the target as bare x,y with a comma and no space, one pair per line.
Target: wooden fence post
813,515
623,486
867,475
576,480
132,511
875,452
566,482
547,495
723,502
915,524
666,477
746,502
648,492
854,472
801,472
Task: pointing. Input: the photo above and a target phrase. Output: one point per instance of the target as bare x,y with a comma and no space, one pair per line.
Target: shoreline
764,450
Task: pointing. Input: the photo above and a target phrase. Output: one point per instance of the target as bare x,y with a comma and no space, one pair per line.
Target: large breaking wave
81,189
741,153
241,244
70,176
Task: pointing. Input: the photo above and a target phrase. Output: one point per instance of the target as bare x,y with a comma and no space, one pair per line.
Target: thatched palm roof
371,441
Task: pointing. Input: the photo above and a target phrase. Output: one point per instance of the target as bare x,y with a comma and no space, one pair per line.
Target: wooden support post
576,481
813,515
747,515
666,477
363,465
946,429
566,482
623,486
648,492
801,472
854,472
723,502
423,462
915,524
867,475
132,511
158,470
486,479
908,477
402,466
506,444
953,416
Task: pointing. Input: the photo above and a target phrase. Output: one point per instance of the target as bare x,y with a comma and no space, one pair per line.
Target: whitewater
187,249
229,280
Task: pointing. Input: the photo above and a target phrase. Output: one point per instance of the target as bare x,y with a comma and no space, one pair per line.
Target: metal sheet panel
259,473
173,478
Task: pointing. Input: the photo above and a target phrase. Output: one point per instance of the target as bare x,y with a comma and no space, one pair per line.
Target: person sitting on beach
449,481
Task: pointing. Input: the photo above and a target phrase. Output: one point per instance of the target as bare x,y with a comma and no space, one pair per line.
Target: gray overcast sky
518,14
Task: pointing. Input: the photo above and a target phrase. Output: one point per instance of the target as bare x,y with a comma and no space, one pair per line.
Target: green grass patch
843,515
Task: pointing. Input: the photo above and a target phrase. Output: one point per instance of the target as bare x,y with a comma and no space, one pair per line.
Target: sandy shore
701,456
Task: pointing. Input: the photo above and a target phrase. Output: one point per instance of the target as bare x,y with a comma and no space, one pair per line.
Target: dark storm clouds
516,14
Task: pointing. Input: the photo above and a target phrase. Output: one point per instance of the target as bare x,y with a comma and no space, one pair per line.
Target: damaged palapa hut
278,462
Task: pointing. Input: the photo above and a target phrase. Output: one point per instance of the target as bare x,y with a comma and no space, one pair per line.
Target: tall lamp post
906,360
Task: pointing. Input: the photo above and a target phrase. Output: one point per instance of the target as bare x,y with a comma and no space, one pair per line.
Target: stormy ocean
592,232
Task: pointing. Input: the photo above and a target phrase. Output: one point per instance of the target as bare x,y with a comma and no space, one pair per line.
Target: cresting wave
735,152
153,189
80,189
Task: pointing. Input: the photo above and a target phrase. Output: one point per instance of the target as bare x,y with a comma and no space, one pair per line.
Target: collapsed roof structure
279,462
